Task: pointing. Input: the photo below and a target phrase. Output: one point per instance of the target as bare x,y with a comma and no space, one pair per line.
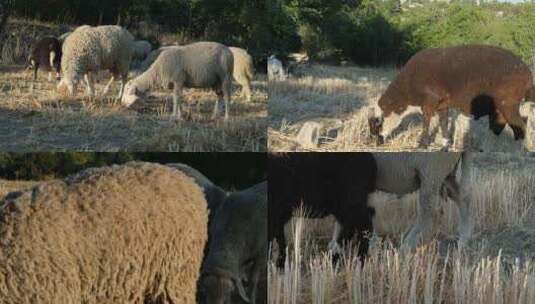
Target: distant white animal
275,69
434,175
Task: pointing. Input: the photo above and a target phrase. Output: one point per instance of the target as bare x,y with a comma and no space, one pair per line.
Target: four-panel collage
267,152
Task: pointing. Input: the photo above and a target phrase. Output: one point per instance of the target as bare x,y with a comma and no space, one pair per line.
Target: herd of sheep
76,56
133,233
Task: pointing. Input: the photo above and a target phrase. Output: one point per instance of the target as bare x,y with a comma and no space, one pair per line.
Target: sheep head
218,288
132,93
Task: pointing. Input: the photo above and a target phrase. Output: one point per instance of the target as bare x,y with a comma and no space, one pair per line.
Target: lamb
238,248
275,69
243,70
123,234
477,80
197,65
46,54
91,49
325,184
141,50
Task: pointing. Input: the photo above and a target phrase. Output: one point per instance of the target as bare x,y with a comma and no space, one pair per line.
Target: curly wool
96,48
122,234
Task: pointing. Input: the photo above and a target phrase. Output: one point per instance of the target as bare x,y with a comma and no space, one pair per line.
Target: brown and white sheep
123,234
477,80
46,54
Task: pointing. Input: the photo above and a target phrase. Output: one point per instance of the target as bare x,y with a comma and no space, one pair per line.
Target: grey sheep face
218,289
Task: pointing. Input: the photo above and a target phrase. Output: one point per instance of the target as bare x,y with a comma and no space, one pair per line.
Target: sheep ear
241,290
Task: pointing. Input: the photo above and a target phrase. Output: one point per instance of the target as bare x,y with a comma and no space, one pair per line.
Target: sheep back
122,234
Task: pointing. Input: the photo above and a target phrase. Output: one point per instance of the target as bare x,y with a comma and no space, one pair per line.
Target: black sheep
46,54
235,267
325,184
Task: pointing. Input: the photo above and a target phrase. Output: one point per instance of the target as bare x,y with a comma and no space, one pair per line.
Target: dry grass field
338,97
497,266
35,117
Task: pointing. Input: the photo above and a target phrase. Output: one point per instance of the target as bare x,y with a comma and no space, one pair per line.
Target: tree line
229,170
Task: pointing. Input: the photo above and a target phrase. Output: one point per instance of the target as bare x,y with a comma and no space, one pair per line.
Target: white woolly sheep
275,69
91,49
197,65
141,50
243,70
122,234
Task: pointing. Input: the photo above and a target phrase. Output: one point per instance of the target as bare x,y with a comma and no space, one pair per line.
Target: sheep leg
35,68
51,58
517,123
89,85
256,272
424,139
177,96
246,90
107,87
281,245
446,136
460,195
219,103
429,196
124,79
227,93
497,122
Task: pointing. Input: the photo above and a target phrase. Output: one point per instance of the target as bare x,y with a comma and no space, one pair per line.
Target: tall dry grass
338,98
495,267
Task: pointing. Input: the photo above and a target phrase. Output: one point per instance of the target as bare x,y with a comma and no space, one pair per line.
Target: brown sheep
477,80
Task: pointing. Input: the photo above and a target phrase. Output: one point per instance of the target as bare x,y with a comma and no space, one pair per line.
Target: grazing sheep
477,80
238,249
91,49
325,184
243,71
275,69
434,175
142,48
46,54
122,234
197,65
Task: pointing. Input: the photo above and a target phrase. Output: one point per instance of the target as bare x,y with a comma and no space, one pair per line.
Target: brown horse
477,80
